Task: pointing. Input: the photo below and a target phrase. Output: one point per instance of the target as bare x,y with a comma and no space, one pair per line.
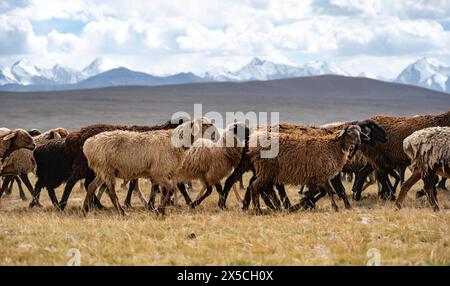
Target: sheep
21,162
369,126
73,153
53,167
429,152
304,160
211,161
11,141
384,158
130,155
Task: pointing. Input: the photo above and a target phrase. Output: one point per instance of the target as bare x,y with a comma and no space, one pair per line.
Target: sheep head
351,138
16,139
372,129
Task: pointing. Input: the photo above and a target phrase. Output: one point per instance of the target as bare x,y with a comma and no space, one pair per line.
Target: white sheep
429,152
130,155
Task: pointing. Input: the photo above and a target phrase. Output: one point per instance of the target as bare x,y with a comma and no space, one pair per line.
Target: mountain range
103,72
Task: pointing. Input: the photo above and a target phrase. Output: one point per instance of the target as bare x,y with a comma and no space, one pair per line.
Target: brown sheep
11,141
304,160
21,162
211,161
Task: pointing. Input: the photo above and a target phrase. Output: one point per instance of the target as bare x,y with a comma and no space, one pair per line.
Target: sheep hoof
127,205
397,207
24,198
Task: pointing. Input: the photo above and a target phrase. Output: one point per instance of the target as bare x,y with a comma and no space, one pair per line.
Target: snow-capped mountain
428,73
6,77
23,75
64,75
259,69
99,65
23,72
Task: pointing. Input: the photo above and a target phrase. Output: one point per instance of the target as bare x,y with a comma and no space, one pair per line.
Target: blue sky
375,36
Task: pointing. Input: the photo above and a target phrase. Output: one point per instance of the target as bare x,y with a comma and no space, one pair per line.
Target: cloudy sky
161,37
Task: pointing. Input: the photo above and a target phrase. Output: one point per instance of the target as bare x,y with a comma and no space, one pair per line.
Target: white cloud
170,36
17,37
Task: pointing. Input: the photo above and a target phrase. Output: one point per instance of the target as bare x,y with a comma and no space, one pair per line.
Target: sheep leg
331,191
204,196
386,188
182,188
67,190
113,196
26,181
401,174
340,190
151,199
52,195
101,191
283,196
264,195
407,185
22,195
8,190
131,187
166,193
241,184
140,195
229,183
360,180
254,189
90,190
430,181
37,192
397,178
236,193
5,184
268,189
219,190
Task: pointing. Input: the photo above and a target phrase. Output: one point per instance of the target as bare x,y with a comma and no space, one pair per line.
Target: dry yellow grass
413,236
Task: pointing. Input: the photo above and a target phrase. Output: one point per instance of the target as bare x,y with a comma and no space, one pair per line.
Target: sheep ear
341,133
9,136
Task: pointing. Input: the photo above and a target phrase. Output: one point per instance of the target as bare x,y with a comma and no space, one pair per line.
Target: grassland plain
208,236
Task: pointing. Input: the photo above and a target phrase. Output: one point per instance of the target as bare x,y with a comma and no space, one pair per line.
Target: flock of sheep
308,156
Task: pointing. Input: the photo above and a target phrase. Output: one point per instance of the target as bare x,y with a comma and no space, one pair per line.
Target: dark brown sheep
385,157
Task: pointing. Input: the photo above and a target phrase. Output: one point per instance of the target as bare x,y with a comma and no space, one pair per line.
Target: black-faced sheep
429,152
385,158
129,155
304,160
377,134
